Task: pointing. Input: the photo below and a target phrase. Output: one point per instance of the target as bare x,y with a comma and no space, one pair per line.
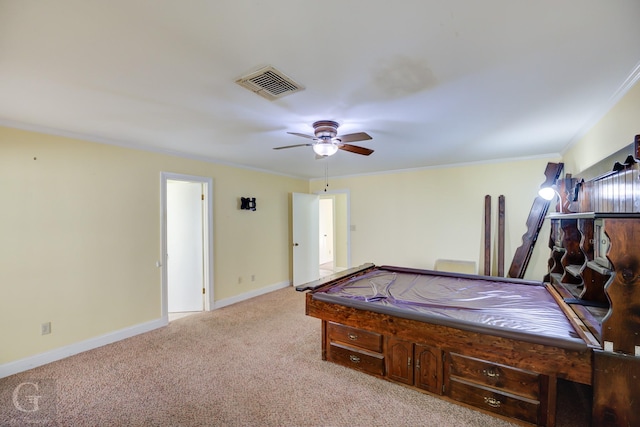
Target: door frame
207,182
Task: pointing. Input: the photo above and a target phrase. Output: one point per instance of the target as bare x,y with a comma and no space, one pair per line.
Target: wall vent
270,83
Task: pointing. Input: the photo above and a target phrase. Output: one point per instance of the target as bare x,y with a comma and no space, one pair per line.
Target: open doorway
187,243
333,233
326,232
307,239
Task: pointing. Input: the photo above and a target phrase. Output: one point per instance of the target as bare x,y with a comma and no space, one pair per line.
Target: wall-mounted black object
248,203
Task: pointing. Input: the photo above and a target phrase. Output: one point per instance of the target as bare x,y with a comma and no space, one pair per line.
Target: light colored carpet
256,363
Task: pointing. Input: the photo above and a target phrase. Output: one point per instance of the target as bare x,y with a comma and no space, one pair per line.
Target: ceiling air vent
269,83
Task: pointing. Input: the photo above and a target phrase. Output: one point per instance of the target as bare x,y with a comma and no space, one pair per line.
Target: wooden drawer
517,381
362,360
354,337
492,400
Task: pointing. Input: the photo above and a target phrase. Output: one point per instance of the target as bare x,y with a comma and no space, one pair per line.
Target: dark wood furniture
594,279
507,371
595,266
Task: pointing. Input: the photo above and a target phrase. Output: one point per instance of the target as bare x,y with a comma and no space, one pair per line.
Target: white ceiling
434,82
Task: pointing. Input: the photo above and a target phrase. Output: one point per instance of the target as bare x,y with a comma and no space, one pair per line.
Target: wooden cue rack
595,266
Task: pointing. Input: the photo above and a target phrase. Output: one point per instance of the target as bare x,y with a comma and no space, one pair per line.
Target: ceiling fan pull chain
326,175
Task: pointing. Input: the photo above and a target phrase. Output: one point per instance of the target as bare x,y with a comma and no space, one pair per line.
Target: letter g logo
32,399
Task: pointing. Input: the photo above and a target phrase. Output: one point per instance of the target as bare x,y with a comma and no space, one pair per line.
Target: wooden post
534,223
615,389
487,235
501,236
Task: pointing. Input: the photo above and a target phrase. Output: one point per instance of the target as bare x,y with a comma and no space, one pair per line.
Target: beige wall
80,227
613,132
413,218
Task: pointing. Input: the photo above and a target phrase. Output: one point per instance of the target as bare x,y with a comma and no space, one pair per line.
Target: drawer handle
354,359
494,403
491,373
352,337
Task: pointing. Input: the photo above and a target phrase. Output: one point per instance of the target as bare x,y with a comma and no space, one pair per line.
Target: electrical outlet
253,277
239,280
45,328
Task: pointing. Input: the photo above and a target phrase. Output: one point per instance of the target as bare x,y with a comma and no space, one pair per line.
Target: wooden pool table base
501,376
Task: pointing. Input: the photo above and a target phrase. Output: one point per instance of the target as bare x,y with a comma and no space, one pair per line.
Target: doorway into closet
333,233
187,245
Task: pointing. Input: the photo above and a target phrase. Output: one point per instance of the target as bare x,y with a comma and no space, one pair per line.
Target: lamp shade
547,193
325,148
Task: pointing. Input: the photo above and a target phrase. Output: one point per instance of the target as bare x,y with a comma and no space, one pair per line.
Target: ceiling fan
326,141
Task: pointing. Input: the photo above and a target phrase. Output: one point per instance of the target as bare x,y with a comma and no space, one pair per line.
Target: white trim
142,147
31,362
208,182
445,166
251,294
79,347
134,146
605,108
168,152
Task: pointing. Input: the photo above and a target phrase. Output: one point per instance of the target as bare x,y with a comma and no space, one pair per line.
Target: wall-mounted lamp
548,188
248,203
548,193
567,190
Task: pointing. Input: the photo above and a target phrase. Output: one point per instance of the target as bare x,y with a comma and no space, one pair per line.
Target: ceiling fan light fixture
327,142
325,148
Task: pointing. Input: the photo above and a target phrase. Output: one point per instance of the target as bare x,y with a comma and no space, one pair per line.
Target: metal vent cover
270,83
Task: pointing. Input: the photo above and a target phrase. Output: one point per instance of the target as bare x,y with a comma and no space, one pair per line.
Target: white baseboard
252,294
79,347
31,362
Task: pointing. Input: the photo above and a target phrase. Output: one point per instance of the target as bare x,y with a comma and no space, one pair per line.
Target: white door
306,252
185,246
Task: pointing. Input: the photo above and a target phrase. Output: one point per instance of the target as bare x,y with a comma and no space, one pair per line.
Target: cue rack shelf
595,266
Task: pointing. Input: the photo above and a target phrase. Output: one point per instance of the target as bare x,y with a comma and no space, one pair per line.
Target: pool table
495,344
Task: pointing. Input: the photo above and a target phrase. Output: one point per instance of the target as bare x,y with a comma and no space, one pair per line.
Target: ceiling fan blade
291,146
355,149
302,135
353,137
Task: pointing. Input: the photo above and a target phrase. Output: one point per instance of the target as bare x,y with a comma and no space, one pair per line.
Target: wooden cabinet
603,289
573,259
414,364
497,388
504,390
578,265
354,348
